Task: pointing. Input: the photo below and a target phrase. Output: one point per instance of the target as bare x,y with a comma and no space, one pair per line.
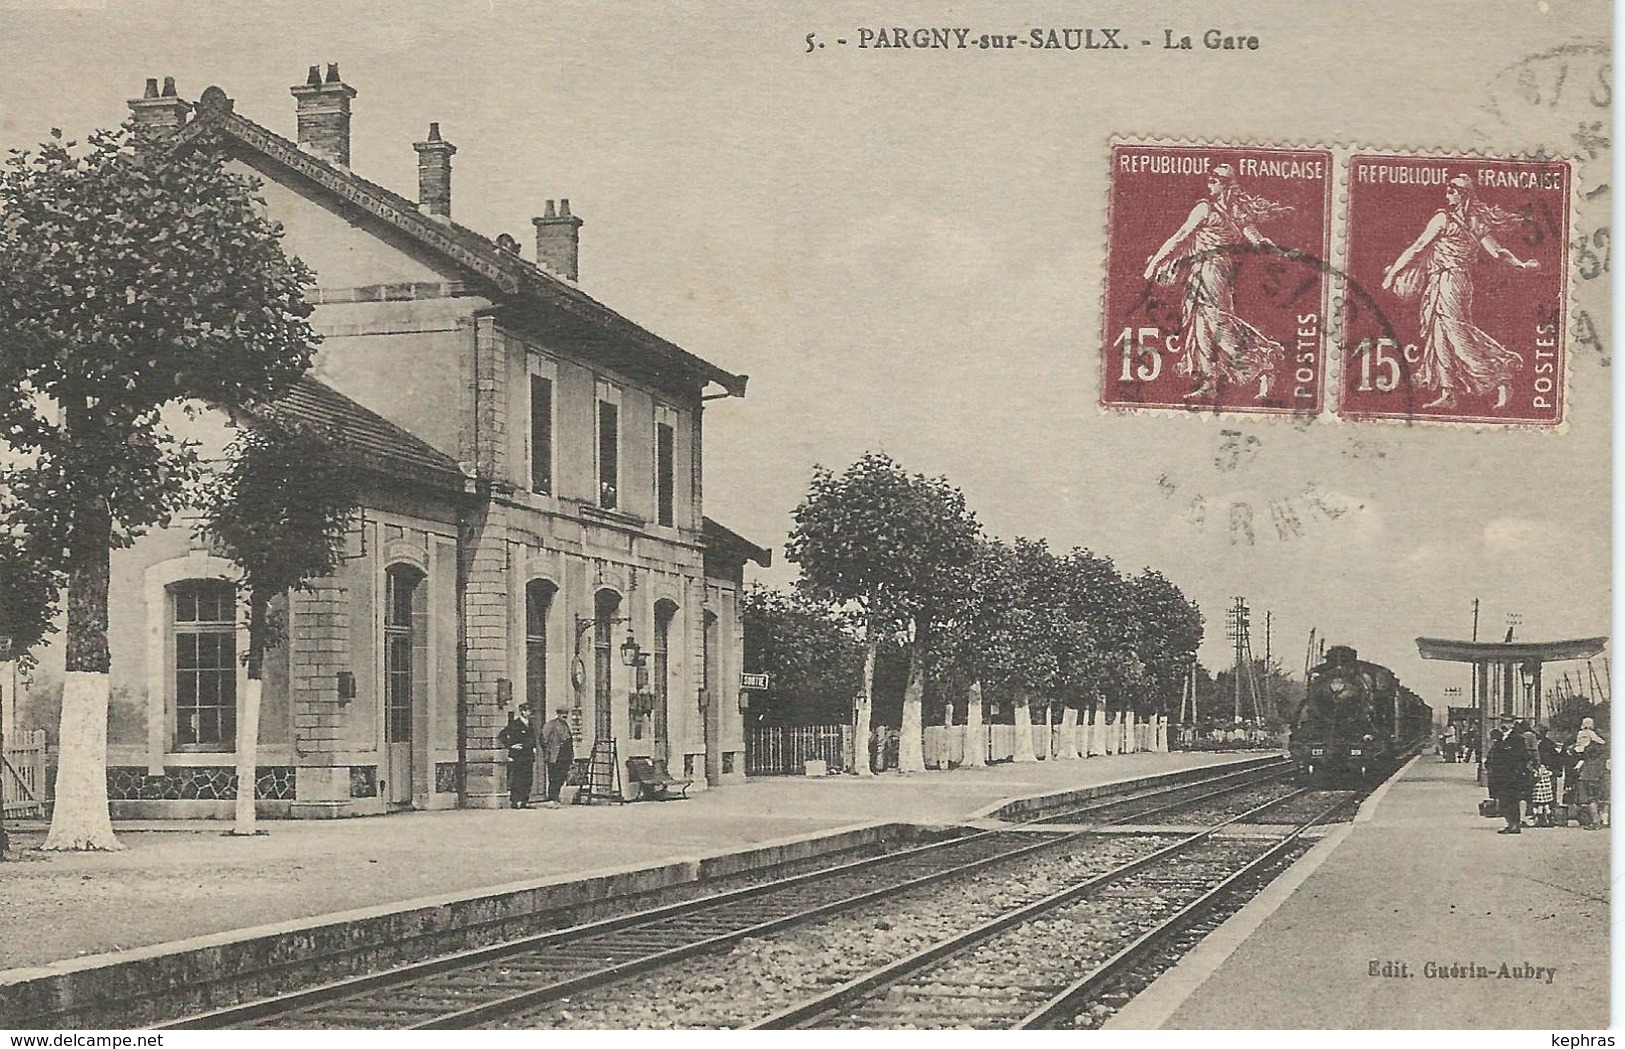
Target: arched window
204,621
400,582
538,602
604,608
665,611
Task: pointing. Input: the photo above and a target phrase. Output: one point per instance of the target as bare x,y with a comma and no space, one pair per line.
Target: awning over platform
1510,651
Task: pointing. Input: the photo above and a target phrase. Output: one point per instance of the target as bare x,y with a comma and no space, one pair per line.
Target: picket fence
22,774
784,750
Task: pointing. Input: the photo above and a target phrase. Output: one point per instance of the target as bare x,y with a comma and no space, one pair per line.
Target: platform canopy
1509,651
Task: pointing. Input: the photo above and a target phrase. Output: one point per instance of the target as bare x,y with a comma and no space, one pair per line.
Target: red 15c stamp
1216,282
1457,286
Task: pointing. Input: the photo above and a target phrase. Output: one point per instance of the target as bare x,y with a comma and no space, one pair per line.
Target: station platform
1418,915
191,880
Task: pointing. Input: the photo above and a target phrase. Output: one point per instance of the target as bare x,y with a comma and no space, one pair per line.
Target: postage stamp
1216,285
1457,289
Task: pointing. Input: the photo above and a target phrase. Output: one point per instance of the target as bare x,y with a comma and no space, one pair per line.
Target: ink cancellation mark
1216,293
1470,256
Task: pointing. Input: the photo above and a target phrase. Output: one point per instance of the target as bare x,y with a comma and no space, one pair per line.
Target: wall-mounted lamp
631,654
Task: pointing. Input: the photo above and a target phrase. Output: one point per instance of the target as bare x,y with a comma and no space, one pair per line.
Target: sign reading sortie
753,682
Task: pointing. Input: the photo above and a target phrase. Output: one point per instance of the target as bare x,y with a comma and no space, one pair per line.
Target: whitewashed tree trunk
1065,746
248,747
1131,730
1024,730
911,739
80,818
1091,734
1162,734
860,720
975,731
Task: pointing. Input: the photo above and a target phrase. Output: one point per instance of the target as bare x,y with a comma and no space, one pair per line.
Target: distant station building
532,530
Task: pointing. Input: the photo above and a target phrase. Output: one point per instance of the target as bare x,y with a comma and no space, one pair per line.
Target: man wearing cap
558,750
519,737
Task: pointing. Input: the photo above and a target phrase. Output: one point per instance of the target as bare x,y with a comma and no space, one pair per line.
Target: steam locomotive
1356,720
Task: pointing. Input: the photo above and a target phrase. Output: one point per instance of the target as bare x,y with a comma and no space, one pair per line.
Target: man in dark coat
1509,778
518,737
558,750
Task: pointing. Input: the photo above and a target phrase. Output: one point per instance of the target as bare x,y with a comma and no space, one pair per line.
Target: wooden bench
654,782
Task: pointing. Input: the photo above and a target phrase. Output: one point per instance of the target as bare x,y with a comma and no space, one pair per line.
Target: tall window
541,434
609,446
399,583
205,629
665,463
538,599
603,662
664,611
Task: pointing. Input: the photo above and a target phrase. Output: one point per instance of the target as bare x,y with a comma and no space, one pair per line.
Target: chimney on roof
158,114
558,240
324,114
434,173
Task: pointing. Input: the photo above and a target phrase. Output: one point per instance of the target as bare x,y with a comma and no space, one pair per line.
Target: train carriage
1356,719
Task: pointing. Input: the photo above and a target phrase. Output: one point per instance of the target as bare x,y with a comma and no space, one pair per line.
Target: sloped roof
507,272
313,407
730,543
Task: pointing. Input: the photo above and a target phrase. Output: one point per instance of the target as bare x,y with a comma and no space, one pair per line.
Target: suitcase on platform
1488,808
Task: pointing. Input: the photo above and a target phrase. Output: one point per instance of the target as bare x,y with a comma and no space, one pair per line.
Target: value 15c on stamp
1462,264
1216,286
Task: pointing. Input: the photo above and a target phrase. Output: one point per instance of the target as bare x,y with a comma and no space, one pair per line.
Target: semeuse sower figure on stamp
1457,357
1215,344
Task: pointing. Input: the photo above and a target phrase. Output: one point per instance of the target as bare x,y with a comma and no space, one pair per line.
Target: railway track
1152,804
478,986
1045,964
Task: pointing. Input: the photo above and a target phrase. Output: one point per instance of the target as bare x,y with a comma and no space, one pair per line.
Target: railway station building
532,529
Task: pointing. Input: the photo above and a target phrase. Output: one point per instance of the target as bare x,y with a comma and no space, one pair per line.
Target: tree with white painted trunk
1006,641
1166,632
279,509
899,550
137,277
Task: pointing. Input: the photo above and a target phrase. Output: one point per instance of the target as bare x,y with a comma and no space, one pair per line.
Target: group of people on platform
523,741
1539,780
1458,744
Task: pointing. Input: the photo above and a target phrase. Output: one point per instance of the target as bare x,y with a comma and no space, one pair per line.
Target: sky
904,250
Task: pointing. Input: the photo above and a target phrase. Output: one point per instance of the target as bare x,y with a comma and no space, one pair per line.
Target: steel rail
1101,976
353,986
801,1014
1244,778
357,987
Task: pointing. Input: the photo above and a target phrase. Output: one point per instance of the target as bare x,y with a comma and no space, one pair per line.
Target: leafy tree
28,596
899,550
1098,665
279,510
815,659
1011,636
134,280
30,577
1167,633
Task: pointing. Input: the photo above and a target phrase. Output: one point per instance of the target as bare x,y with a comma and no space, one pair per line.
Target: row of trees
139,282
889,558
